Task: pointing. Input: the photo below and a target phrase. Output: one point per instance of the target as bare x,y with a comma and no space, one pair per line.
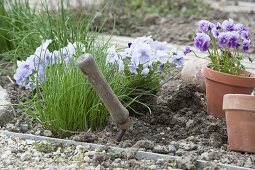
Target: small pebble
24,127
47,133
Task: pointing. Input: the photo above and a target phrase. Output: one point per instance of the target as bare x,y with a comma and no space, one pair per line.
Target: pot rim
239,102
230,79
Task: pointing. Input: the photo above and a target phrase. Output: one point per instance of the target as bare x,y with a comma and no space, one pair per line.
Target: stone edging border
139,154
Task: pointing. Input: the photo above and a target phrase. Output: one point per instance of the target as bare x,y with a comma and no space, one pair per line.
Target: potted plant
240,118
225,43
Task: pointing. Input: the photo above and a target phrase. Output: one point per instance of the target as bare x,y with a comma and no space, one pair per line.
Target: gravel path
17,153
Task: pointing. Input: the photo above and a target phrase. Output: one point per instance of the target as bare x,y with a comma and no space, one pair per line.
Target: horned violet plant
225,43
143,62
32,72
144,56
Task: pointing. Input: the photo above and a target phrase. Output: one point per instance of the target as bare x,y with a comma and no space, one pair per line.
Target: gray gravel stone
249,163
130,154
144,144
24,156
205,156
171,148
153,167
188,146
160,149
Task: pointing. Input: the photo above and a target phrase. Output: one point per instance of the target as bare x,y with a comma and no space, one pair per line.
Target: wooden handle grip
119,113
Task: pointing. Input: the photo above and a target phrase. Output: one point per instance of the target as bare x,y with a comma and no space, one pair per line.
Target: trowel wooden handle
119,113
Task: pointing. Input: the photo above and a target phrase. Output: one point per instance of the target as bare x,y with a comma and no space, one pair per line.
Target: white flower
162,56
112,56
121,65
145,71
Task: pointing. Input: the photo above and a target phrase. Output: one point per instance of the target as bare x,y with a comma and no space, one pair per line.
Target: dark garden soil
178,123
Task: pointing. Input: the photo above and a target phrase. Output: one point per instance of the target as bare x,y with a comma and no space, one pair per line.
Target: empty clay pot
218,84
240,118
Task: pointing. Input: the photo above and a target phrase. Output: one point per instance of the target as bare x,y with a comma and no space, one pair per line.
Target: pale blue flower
161,46
56,57
162,56
178,59
133,65
139,40
43,53
142,51
112,56
127,53
20,80
71,49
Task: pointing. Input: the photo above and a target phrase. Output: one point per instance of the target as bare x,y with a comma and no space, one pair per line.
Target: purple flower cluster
227,35
32,71
143,53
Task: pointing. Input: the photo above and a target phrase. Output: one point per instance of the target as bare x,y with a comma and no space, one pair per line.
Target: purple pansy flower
240,27
246,45
187,50
161,67
215,32
245,35
224,38
233,40
228,25
202,41
218,26
203,26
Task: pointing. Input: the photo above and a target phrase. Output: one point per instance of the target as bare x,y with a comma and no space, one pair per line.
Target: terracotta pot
240,118
218,84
